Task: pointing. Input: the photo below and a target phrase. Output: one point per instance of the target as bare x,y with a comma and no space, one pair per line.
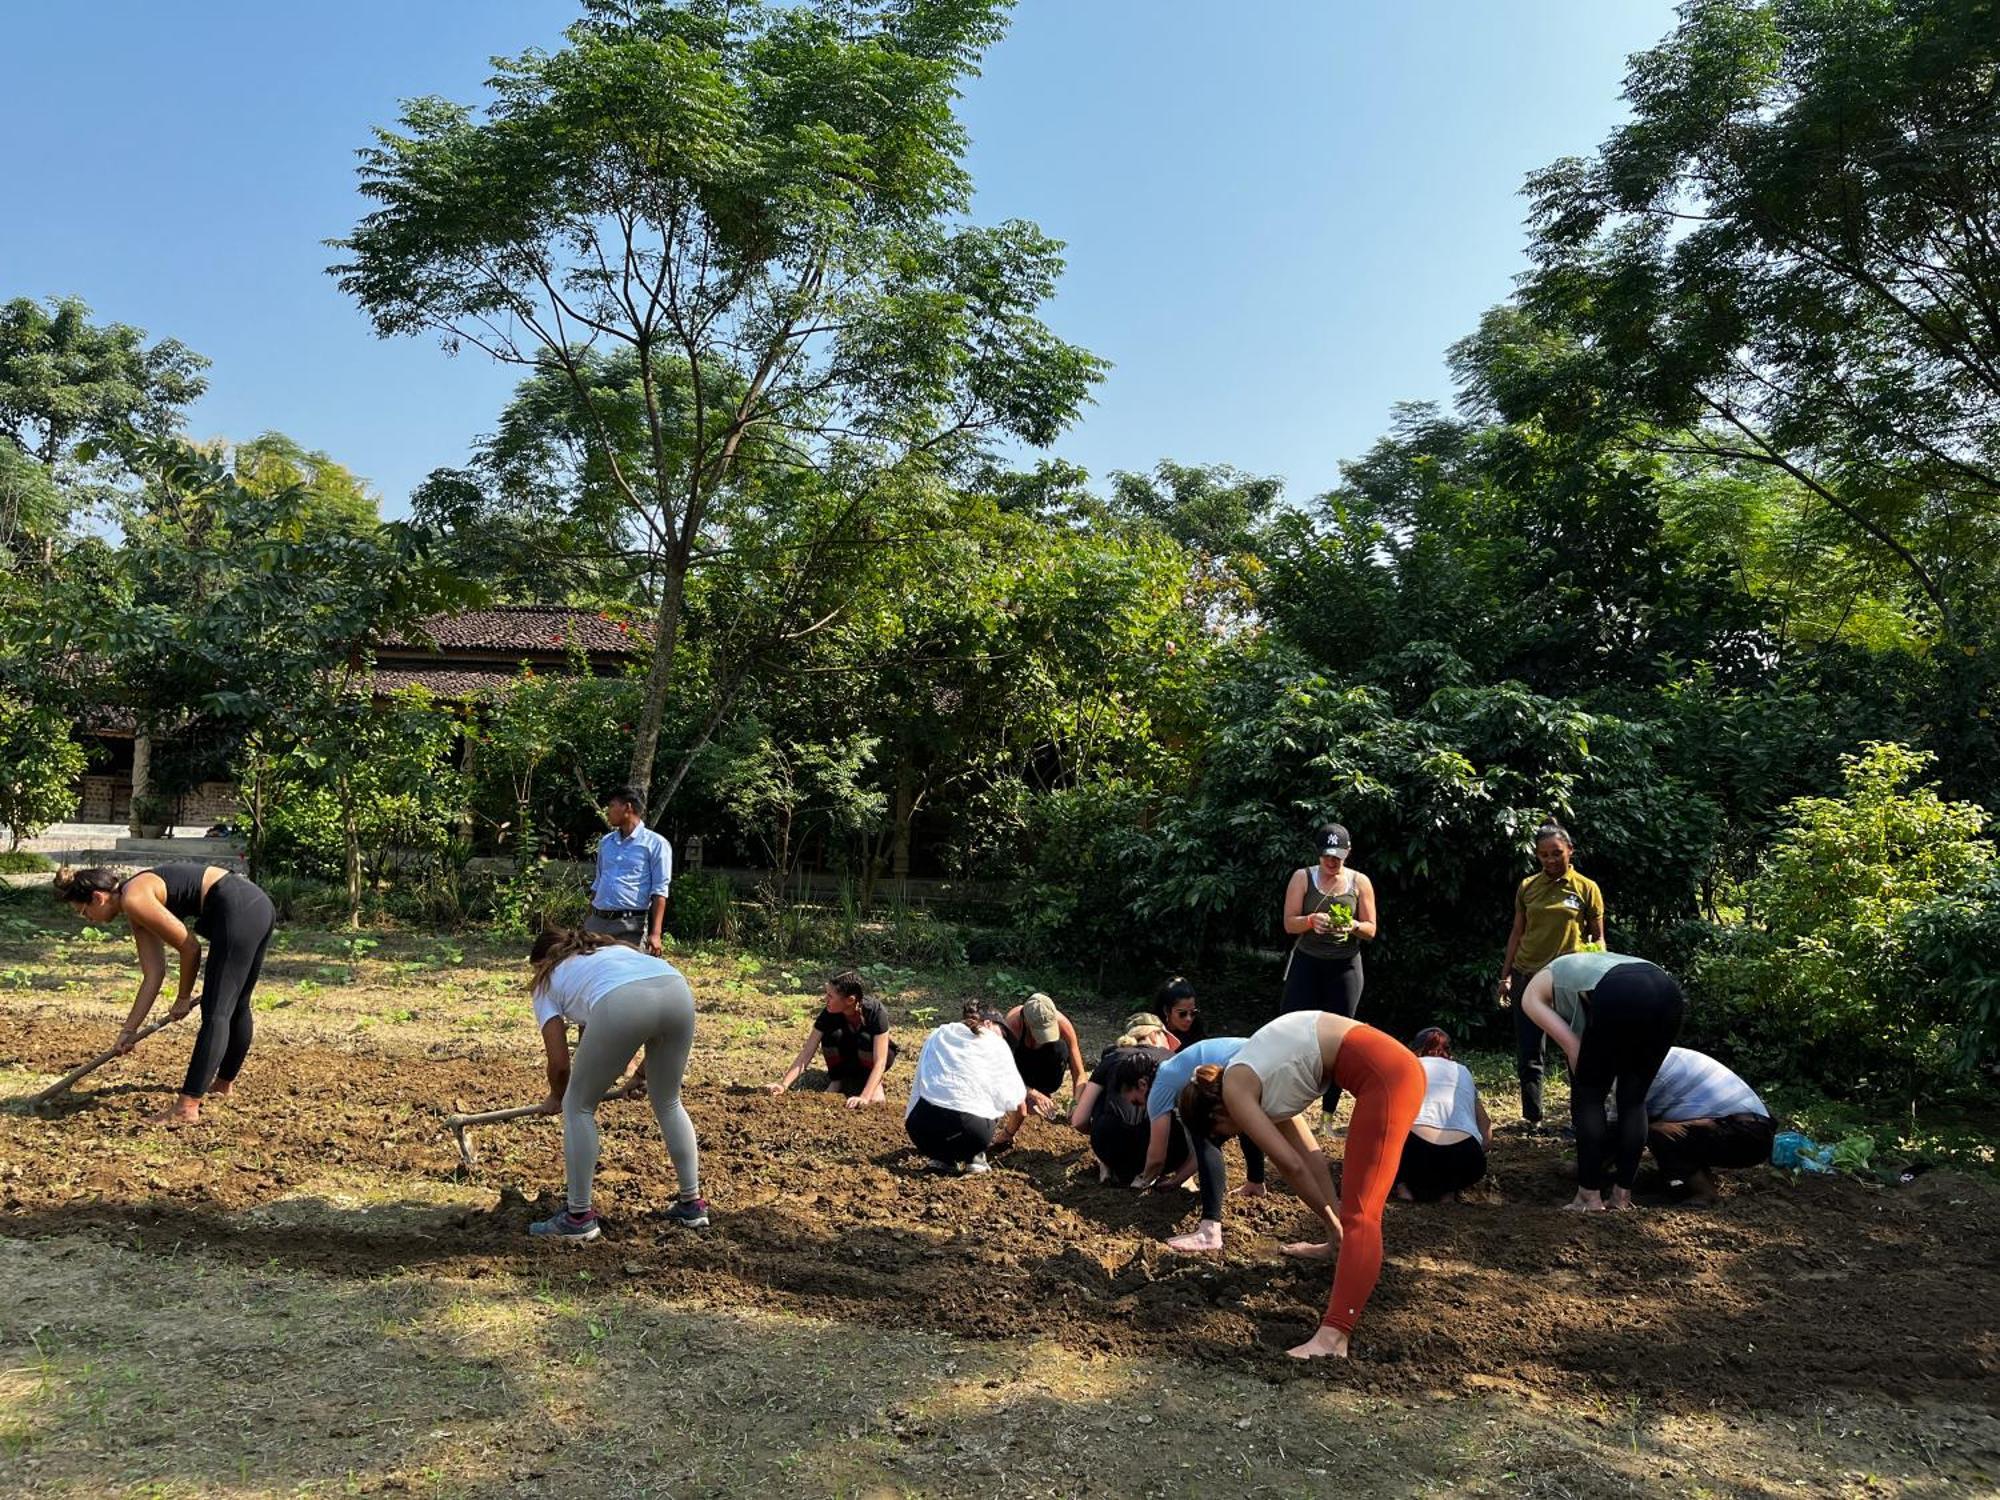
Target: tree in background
39,766
755,211
64,382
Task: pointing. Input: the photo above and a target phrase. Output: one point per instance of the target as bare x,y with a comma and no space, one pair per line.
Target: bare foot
1621,1199
1103,1172
222,1090
1403,1195
1313,1250
1326,1343
1585,1202
1249,1190
1203,1238
181,1112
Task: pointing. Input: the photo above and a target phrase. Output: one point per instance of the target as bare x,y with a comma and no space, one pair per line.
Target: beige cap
1040,1016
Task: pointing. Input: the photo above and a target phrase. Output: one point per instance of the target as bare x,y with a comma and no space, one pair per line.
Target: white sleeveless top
1449,1096
1285,1056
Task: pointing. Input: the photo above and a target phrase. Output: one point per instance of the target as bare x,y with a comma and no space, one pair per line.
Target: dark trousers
948,1134
1531,1050
1634,1015
1431,1171
1122,1147
1214,1177
1685,1147
1328,984
237,919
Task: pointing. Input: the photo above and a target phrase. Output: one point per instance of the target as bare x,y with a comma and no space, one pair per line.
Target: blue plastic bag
1790,1149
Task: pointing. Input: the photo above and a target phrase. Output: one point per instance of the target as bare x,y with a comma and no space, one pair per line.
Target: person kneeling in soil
967,1097
1446,1151
1043,1041
1111,1109
1164,1123
853,1031
620,1000
1614,1017
1262,1092
166,908
1701,1116
1181,1012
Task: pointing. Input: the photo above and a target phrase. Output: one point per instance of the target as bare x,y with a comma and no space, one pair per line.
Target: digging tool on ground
62,1084
459,1124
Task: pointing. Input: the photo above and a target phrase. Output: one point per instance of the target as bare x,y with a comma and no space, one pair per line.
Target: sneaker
979,1163
689,1213
568,1226
939,1164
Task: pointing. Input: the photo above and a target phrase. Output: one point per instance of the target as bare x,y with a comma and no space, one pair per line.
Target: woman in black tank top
167,907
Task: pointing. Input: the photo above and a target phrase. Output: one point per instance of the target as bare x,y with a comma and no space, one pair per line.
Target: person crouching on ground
1446,1151
1111,1109
620,1000
1262,1093
1177,1007
1044,1043
967,1097
1701,1117
853,1030
635,867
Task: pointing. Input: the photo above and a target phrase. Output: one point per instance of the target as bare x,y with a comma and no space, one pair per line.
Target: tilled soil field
334,1161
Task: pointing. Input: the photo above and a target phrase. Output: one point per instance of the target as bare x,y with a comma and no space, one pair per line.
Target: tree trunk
142,777
666,627
350,830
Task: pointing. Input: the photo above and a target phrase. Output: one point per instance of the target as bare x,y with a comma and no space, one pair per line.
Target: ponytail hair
976,1017
558,943
78,886
1432,1041
1201,1106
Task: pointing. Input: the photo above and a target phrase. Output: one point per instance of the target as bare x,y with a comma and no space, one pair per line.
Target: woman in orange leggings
1262,1093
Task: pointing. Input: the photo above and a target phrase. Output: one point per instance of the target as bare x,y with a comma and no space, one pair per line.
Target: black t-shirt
1111,1109
849,1044
1042,1067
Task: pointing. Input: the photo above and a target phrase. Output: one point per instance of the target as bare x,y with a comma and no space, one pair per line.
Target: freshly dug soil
335,1161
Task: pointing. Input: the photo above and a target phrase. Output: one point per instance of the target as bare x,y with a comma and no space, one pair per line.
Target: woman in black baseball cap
1329,912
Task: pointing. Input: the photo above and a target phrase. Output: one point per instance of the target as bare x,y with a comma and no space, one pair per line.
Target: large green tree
757,210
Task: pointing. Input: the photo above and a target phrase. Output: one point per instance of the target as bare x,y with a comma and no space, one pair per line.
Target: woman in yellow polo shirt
1556,911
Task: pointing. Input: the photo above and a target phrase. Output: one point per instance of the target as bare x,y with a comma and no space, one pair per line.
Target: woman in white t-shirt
620,1000
1446,1151
967,1097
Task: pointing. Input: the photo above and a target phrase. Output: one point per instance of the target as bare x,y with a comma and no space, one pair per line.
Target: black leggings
1684,1147
237,919
1214,1176
948,1134
1634,1015
1431,1171
1328,984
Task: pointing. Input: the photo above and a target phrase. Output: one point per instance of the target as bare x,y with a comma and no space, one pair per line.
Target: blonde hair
1133,1037
558,943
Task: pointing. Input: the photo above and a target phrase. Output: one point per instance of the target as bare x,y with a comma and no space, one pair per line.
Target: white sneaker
979,1163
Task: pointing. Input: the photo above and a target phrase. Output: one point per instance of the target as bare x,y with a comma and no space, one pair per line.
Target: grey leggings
657,1014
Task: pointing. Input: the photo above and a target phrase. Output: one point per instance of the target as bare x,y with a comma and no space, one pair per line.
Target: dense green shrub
1867,954
24,862
701,907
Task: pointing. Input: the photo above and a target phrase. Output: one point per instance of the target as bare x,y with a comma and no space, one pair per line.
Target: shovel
459,1125
62,1084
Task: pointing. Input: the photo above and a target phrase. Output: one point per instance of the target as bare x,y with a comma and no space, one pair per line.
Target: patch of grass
25,862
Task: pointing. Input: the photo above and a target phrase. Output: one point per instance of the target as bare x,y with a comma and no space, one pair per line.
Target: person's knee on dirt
620,1000
1702,1118
1045,1047
1112,1107
1446,1151
966,1095
1163,1123
853,1031
1263,1093
1614,1017
1556,911
1177,1007
172,906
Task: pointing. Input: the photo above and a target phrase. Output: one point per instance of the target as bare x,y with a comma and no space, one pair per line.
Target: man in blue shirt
628,898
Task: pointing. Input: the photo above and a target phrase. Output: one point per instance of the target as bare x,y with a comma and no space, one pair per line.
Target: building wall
108,799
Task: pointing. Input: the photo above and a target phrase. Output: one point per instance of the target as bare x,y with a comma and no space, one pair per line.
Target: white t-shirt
576,984
1286,1057
971,1072
1450,1096
1694,1086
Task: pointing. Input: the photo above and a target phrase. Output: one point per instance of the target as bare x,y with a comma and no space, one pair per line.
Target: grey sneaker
567,1226
689,1213
939,1164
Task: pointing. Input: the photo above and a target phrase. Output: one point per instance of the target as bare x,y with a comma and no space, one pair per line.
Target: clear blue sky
1279,213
